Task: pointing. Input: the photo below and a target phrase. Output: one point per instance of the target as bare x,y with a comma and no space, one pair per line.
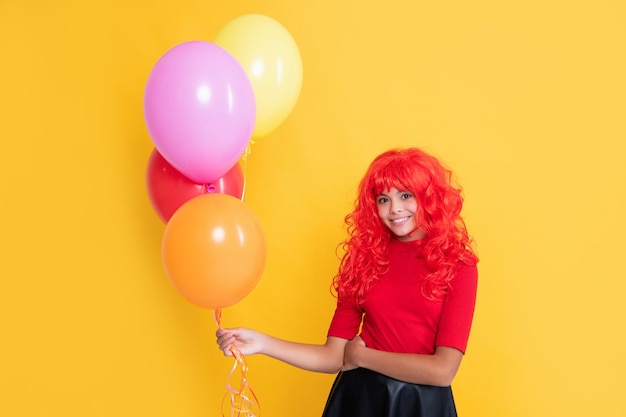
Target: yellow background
525,100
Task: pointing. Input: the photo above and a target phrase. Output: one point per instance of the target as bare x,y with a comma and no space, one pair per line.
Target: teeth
400,220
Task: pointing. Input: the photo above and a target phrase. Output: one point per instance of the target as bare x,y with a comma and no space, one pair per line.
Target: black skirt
364,393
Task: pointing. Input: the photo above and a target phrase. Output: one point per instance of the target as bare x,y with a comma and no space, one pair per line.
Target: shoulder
464,270
465,276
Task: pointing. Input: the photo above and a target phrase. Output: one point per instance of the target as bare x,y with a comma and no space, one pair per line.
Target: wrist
262,343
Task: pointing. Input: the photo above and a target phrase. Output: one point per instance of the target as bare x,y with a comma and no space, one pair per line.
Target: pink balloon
199,109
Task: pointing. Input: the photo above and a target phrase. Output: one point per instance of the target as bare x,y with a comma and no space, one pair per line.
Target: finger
224,332
226,342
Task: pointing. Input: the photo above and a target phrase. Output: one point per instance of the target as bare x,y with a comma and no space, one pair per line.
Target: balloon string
243,401
244,158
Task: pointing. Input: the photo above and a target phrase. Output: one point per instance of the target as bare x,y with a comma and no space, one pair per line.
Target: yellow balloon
270,57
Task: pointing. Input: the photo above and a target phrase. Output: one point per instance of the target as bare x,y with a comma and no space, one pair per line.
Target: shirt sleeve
346,321
458,310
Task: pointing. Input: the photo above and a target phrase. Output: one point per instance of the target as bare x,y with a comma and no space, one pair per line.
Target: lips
400,221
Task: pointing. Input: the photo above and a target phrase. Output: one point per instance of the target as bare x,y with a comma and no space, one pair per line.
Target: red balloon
168,189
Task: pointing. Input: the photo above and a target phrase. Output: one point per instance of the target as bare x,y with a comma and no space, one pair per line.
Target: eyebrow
399,192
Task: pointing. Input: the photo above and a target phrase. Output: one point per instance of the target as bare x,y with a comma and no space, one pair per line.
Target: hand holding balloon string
243,401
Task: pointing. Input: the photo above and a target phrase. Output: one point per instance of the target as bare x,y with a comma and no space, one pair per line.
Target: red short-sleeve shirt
396,317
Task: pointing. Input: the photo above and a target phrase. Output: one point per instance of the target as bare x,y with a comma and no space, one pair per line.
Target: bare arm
327,358
437,369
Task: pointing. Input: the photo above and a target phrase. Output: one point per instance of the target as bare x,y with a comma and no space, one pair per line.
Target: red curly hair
438,214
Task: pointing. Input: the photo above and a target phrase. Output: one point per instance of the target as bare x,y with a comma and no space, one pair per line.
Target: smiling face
396,208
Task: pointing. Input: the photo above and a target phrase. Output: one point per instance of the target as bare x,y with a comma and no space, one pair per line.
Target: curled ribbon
243,401
244,158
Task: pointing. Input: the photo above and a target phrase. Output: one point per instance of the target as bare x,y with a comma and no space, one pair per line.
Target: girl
406,290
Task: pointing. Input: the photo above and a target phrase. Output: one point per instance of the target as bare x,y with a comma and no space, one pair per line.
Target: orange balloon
214,250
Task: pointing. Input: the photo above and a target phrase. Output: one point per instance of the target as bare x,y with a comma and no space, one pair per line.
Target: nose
395,207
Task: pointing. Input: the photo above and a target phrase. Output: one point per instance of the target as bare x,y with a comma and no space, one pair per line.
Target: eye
382,200
406,196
